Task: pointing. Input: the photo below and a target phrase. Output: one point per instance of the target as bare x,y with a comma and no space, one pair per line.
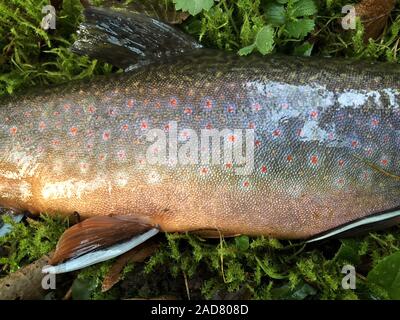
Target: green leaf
242,243
193,6
265,40
348,252
386,274
275,14
82,289
247,50
304,8
300,28
300,292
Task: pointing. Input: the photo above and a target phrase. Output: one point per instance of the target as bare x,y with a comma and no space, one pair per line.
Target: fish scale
326,144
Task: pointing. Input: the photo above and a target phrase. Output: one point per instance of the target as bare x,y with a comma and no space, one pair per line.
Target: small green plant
29,241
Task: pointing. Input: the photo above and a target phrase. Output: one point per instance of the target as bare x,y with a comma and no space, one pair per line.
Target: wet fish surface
322,138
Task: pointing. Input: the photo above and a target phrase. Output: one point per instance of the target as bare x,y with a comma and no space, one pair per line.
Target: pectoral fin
96,235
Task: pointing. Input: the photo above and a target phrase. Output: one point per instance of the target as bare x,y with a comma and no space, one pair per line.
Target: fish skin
327,139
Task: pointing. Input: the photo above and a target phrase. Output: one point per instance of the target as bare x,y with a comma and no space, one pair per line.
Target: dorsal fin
128,39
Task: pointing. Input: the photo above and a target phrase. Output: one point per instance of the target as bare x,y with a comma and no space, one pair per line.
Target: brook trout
194,139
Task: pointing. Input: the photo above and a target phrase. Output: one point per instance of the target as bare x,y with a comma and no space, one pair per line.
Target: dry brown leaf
138,254
374,14
26,283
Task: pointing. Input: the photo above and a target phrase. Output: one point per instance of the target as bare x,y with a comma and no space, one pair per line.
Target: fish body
319,140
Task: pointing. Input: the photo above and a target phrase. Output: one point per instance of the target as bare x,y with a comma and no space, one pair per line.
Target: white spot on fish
25,191
121,179
352,98
154,177
70,188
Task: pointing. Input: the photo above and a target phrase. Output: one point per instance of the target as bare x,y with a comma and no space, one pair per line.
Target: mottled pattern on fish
327,139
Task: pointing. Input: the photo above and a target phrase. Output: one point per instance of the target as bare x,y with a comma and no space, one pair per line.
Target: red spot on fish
102,157
354,144
276,133
144,125
252,125
246,184
158,104
106,135
285,106
121,155
341,162
13,130
209,104
188,111
56,113
73,131
264,169
314,114
91,109
173,102
130,103
204,170
231,109
375,122
299,132
27,114
232,138
289,158
56,142
90,132
257,143
384,162
314,159
125,127
146,102
228,165
256,107
185,134
111,112
67,107
209,126
166,127
83,165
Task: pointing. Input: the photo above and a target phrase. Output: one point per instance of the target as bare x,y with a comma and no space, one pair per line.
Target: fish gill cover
187,266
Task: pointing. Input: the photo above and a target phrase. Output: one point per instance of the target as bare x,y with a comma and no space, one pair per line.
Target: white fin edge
94,257
6,228
359,223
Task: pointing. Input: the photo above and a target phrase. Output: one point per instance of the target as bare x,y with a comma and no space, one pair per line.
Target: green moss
29,241
259,268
